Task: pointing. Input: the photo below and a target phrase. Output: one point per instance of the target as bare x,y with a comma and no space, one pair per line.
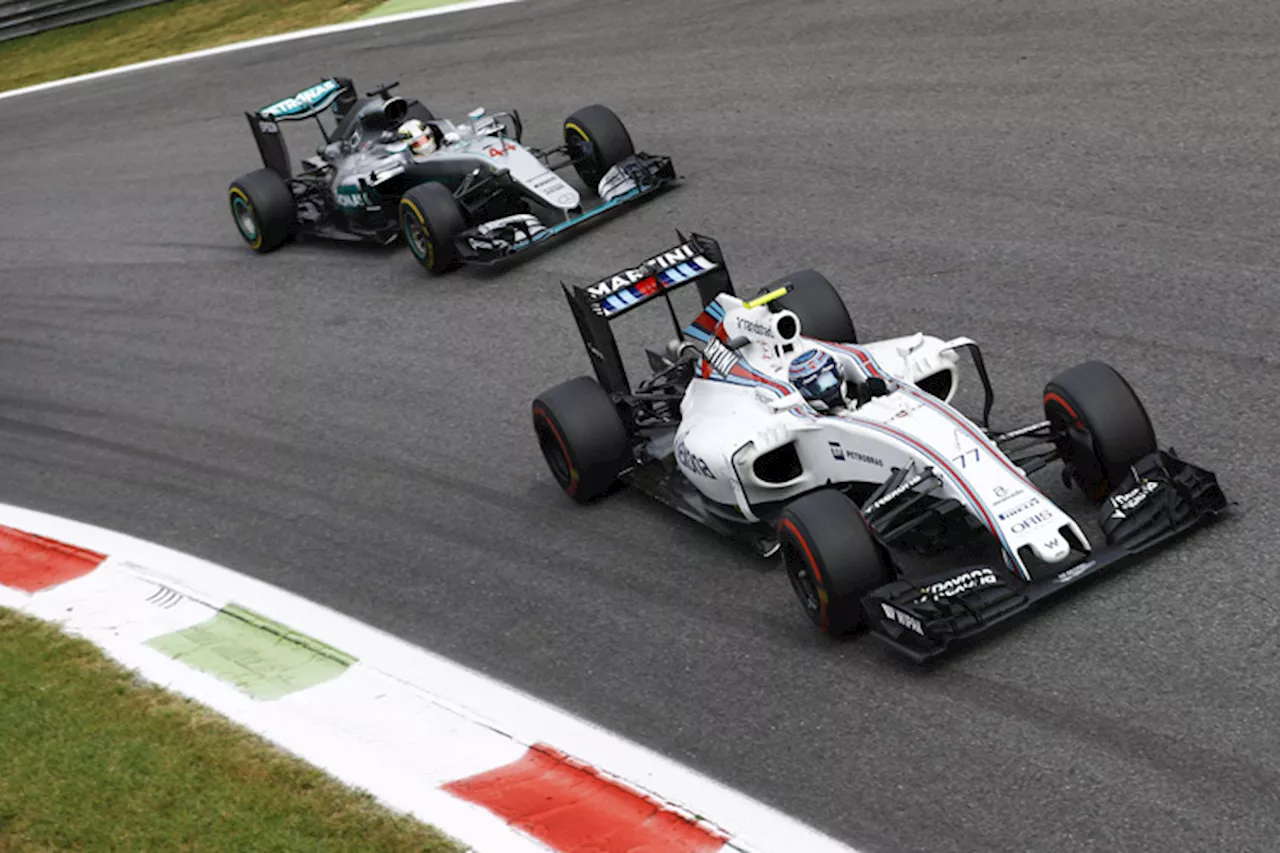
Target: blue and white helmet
818,378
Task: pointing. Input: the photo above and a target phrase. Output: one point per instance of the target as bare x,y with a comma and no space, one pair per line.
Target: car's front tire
582,437
831,559
430,220
597,140
263,209
1104,427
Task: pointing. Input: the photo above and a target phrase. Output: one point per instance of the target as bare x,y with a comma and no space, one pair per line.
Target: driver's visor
815,385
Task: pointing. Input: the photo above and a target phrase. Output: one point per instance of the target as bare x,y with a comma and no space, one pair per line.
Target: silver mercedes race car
466,191
767,420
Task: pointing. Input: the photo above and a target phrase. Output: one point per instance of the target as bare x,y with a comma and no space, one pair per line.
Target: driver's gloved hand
876,387
862,394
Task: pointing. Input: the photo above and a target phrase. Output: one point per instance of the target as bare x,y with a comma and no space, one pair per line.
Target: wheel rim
246,222
580,146
802,581
1090,477
418,238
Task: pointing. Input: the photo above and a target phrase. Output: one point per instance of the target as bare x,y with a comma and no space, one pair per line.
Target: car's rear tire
263,209
1103,424
430,220
831,559
815,301
598,140
581,436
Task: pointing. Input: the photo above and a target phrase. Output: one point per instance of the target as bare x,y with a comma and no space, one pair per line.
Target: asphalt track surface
1059,180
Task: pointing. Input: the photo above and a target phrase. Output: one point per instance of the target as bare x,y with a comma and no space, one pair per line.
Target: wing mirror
737,343
781,404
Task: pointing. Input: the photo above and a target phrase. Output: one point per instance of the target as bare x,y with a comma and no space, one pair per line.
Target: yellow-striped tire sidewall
237,193
407,207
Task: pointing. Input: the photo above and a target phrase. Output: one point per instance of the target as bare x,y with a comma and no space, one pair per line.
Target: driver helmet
818,378
420,137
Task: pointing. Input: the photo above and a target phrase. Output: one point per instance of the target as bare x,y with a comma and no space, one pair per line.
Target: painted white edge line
485,703
259,42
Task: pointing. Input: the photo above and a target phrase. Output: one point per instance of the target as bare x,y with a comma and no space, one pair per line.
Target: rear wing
311,101
697,259
336,92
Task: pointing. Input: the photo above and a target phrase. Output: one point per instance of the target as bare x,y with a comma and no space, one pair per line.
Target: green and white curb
420,733
263,658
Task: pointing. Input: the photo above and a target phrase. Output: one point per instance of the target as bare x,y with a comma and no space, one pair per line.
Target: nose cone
1052,548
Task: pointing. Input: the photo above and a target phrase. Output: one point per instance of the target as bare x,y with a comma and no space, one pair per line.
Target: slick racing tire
430,219
582,437
1103,424
831,559
263,209
814,300
597,140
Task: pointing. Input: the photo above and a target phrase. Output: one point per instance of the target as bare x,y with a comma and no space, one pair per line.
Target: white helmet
420,137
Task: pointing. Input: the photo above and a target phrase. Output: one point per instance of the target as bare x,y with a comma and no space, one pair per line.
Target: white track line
245,45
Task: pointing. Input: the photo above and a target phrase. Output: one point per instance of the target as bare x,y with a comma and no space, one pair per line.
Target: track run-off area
1059,181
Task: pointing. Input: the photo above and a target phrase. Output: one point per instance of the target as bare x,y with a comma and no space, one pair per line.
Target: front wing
1163,498
650,174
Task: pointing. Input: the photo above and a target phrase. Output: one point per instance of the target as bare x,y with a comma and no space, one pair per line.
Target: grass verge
94,760
164,29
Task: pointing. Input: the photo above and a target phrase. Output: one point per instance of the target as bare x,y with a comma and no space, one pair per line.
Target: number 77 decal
963,458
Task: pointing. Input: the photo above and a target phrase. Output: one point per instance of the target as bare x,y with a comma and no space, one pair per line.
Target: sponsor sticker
1074,572
1032,521
1011,512
745,325
1132,499
666,260
845,454
894,493
692,462
721,357
907,621
963,582
301,101
1004,494
905,410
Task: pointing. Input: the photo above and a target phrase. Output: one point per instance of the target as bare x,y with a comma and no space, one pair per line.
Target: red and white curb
495,768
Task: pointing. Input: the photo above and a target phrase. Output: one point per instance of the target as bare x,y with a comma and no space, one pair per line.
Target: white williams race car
767,420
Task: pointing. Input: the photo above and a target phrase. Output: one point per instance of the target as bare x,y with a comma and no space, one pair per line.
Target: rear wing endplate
697,259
